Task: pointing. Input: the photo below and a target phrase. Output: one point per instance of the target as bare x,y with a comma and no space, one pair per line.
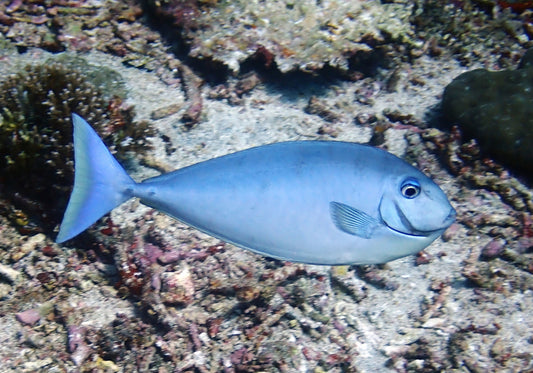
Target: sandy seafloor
398,317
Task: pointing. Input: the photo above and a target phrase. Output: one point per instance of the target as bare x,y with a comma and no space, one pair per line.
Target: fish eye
410,188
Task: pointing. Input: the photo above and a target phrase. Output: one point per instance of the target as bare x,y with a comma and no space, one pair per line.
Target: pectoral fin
353,221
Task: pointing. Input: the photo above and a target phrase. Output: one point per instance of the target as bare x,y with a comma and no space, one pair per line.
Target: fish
315,202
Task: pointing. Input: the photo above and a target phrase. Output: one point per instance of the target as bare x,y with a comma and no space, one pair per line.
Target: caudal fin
100,182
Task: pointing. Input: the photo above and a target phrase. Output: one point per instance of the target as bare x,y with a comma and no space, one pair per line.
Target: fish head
414,205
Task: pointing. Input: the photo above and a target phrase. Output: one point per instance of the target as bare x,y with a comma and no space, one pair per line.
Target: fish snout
450,218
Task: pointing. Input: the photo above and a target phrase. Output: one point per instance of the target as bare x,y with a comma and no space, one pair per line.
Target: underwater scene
266,186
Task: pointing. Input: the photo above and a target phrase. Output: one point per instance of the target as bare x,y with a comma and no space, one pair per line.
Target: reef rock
494,107
294,34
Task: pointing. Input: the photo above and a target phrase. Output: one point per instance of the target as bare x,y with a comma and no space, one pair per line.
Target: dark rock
494,107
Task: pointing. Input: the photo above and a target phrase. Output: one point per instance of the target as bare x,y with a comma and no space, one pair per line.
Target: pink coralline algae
29,317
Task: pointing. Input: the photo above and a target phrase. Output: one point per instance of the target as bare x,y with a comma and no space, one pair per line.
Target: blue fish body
315,202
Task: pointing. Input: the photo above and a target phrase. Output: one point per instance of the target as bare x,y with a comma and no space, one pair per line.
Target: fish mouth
413,232
450,218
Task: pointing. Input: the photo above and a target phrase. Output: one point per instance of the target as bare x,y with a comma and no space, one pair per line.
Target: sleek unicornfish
319,202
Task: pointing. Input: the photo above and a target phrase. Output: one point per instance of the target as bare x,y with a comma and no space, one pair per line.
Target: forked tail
100,182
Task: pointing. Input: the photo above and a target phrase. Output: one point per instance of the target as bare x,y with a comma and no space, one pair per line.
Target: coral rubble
306,35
